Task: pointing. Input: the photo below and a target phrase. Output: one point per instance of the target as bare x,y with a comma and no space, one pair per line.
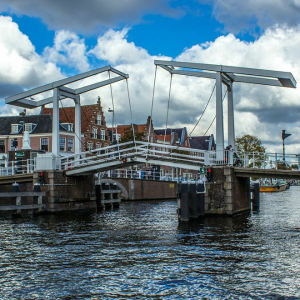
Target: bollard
200,199
98,197
256,197
183,204
193,203
16,200
36,188
15,189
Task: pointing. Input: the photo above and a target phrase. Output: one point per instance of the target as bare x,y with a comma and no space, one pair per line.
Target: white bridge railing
17,167
153,153
149,151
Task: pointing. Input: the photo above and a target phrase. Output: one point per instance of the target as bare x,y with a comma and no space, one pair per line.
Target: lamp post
112,124
284,136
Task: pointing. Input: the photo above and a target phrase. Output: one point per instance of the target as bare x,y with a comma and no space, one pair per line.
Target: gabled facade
119,131
93,126
94,132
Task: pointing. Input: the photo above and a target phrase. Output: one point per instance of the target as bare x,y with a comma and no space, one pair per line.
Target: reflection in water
141,252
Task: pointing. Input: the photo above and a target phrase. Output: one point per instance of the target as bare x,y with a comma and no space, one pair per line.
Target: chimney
22,113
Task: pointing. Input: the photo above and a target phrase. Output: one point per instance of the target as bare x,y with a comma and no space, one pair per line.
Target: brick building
93,126
119,131
94,133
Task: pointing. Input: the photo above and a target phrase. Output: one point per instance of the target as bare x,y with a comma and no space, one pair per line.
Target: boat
271,186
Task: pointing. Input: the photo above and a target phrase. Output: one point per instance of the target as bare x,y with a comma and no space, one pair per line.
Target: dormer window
15,128
67,126
28,127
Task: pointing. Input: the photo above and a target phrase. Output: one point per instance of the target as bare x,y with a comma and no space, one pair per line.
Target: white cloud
68,50
20,66
260,110
240,16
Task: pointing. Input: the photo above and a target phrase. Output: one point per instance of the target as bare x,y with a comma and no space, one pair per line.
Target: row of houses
94,131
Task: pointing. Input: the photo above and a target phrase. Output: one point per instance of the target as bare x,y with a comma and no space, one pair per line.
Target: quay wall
226,195
141,189
66,193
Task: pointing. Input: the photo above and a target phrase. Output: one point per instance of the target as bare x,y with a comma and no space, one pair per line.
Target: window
13,144
89,146
44,144
15,128
102,134
98,147
70,145
28,127
94,133
2,146
67,126
62,144
99,119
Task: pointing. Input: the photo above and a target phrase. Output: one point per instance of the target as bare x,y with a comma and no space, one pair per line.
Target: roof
162,138
121,128
200,142
67,114
43,123
168,131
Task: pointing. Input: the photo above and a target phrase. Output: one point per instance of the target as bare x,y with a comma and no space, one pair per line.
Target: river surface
139,251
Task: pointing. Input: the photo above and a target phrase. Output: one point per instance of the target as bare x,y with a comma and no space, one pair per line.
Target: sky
42,41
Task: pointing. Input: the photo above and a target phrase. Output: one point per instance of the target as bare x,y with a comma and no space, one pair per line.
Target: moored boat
274,186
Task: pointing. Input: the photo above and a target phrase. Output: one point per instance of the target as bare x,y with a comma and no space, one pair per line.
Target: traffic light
41,177
209,175
124,160
15,143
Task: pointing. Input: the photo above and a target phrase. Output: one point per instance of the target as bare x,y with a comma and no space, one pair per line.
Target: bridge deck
10,179
267,173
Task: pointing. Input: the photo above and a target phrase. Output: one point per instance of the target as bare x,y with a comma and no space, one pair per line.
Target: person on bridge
227,149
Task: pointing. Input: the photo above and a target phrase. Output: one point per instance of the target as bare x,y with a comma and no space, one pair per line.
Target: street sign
19,154
202,170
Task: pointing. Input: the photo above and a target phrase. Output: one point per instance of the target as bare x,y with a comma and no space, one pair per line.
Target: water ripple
141,252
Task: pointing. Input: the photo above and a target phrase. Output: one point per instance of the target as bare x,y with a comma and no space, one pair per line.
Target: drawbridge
120,155
132,153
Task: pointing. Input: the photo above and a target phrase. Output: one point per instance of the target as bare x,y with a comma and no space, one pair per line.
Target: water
140,252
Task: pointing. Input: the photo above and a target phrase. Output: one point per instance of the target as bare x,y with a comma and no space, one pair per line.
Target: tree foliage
251,144
128,135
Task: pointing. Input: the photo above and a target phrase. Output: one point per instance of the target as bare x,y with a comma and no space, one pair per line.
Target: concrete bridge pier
227,194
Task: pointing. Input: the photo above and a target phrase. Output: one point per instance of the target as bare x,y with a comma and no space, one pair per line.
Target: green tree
128,135
250,144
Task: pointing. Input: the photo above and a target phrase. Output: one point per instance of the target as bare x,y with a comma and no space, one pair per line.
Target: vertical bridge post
219,119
